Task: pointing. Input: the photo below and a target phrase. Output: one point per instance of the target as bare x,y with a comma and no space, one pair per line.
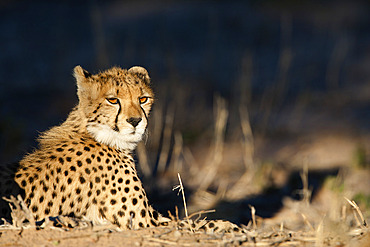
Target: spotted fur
84,167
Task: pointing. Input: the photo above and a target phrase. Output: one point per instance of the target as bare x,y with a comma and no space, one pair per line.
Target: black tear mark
116,120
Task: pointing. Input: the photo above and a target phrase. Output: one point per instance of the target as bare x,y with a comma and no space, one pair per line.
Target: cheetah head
116,104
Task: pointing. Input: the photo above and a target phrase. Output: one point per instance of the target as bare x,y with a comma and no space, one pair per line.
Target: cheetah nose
134,121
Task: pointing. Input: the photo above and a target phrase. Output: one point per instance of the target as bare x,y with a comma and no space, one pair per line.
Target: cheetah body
84,167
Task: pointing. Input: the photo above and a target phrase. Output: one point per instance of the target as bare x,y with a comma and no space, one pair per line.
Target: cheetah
84,167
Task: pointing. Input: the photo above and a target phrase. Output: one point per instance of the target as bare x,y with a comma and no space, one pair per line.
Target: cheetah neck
76,126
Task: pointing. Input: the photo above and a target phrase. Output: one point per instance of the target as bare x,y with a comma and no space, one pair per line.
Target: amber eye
143,100
112,100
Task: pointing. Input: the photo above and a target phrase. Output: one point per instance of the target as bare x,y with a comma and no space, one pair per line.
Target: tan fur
84,167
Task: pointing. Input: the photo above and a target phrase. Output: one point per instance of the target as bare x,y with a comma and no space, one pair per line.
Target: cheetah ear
141,73
81,76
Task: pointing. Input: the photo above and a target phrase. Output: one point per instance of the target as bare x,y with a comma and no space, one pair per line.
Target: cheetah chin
125,139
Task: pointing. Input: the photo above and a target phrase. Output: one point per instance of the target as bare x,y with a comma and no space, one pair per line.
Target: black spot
72,168
127,189
97,179
69,180
127,171
98,159
53,157
109,155
127,181
143,213
61,160
62,188
113,201
141,224
71,149
106,181
87,170
59,170
153,223
134,201
121,213
89,193
132,214
136,179
72,204
45,189
92,145
79,163
47,211
69,159
23,183
82,180
155,215
78,191
94,201
60,149
88,160
41,199
100,168
109,168
98,192
30,179
136,188
123,199
79,199
86,148
113,192
211,225
78,153
63,199
107,161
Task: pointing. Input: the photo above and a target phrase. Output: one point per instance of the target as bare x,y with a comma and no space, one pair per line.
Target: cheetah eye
143,100
112,100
